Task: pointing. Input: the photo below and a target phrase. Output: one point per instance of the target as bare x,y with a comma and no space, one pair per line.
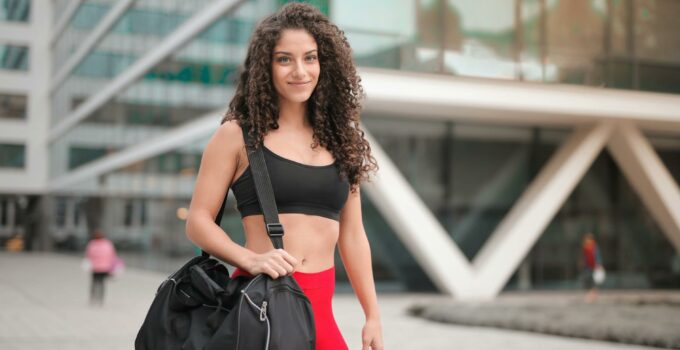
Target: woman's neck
293,115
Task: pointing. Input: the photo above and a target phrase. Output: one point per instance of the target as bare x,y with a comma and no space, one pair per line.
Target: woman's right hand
275,263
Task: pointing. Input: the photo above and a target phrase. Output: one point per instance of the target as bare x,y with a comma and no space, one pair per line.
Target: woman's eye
311,58
283,59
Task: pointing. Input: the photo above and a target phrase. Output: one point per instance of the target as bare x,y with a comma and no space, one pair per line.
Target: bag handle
265,194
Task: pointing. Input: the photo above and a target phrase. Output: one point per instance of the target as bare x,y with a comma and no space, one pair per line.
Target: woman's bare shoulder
224,147
227,138
230,132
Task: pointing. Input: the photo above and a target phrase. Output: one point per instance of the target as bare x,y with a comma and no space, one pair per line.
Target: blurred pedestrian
102,257
593,272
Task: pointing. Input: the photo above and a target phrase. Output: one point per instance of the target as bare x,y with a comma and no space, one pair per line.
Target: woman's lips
300,84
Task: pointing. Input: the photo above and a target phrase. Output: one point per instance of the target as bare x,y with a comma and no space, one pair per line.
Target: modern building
504,131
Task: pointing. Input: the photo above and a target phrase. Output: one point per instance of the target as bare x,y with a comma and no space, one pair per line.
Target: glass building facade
610,43
469,174
15,10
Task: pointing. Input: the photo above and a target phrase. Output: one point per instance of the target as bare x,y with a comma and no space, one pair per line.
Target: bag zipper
262,309
290,289
263,315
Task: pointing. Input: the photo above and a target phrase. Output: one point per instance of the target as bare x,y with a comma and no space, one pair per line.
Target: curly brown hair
334,107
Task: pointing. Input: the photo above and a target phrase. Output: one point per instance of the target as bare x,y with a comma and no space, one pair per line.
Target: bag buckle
275,229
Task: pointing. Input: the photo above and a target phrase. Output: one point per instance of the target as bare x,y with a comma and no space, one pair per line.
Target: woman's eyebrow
288,53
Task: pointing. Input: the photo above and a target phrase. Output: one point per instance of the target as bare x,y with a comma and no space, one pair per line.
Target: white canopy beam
530,215
649,177
90,42
188,30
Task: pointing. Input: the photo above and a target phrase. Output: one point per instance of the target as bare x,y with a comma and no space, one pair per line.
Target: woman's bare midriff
310,239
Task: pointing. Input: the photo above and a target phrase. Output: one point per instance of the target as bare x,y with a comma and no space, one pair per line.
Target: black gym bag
201,307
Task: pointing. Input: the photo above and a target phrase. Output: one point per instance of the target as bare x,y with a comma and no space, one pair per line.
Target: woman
298,97
101,255
592,261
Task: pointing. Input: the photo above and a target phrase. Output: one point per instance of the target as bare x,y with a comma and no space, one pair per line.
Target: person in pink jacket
102,257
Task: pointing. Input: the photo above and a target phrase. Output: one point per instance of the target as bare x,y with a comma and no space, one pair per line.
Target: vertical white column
38,112
68,214
11,213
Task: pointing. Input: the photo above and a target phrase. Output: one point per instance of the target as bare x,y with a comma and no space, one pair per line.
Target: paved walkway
641,317
43,305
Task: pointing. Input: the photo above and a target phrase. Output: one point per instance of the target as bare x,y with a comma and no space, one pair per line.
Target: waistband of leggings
324,278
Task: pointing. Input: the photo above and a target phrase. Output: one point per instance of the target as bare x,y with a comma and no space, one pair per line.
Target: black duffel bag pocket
292,332
244,328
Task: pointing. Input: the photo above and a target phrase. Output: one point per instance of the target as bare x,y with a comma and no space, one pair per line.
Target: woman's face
295,65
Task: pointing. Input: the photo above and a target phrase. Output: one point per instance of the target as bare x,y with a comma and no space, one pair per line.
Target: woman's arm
218,166
356,256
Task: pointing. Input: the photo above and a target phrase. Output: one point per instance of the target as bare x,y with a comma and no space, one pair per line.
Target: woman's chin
297,98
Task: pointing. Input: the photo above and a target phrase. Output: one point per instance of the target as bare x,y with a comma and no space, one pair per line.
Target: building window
82,155
88,15
4,204
15,10
60,212
77,208
13,57
135,212
13,106
129,212
12,156
142,212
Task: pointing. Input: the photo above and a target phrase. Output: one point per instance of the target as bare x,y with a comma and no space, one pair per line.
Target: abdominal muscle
310,239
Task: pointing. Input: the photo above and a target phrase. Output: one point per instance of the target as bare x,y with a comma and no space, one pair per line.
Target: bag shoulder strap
265,193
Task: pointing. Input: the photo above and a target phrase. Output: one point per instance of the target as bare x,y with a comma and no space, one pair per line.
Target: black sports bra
298,188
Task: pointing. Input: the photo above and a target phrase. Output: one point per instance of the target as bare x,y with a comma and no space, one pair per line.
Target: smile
300,84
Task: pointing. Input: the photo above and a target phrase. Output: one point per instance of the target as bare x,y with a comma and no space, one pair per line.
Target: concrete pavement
641,317
44,305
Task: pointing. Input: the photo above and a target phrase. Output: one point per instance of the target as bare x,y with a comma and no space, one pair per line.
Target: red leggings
319,288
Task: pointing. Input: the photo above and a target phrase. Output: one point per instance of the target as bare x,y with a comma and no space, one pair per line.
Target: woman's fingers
281,260
281,270
289,258
285,260
271,272
276,263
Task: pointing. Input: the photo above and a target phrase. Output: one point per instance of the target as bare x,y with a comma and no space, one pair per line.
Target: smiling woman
295,70
297,98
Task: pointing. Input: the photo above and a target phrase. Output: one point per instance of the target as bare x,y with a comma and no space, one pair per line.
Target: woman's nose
300,70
